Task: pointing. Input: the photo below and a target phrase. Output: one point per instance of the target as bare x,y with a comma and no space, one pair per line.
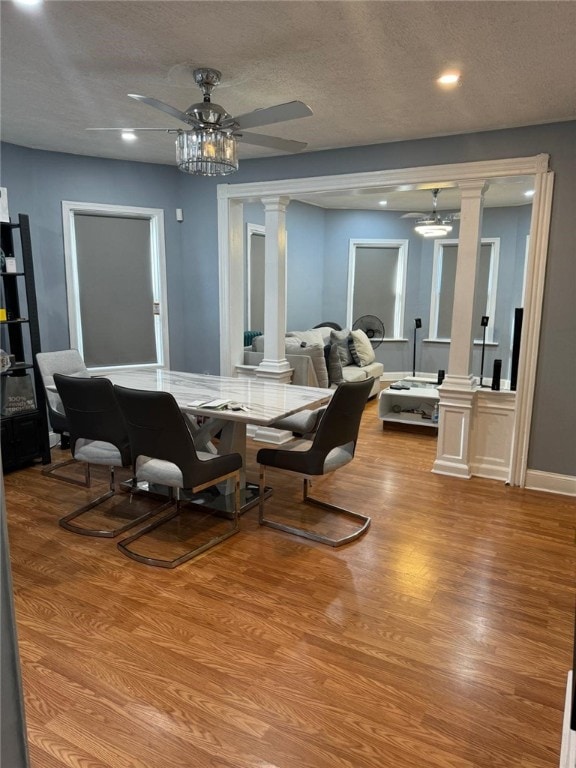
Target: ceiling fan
433,224
207,146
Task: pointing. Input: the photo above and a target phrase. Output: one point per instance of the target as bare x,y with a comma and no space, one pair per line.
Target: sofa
324,357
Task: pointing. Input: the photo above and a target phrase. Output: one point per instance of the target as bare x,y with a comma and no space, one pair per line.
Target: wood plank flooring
441,639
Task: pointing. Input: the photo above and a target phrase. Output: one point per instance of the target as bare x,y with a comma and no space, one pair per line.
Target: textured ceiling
367,69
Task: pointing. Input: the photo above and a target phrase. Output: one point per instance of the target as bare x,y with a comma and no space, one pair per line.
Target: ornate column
274,364
457,391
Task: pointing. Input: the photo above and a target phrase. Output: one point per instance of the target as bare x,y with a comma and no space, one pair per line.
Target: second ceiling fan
434,224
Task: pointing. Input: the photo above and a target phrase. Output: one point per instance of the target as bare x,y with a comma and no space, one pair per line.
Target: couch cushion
354,373
313,336
325,330
374,369
361,348
291,345
340,340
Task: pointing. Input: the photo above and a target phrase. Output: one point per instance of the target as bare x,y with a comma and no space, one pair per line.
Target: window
254,319
377,282
116,284
443,281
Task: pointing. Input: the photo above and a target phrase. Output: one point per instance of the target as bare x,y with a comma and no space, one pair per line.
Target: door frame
231,198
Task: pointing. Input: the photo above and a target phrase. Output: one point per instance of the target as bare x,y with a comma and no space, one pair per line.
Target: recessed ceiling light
28,3
529,193
383,202
449,79
128,135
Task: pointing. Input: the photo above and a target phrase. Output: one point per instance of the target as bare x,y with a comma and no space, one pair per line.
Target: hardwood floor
442,638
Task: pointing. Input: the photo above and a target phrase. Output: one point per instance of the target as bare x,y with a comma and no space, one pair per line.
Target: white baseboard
568,746
548,481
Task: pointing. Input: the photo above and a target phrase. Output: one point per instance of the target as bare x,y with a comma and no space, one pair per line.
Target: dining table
225,406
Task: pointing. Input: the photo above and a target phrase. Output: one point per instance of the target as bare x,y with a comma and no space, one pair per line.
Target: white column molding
533,299
274,364
271,435
461,342
456,394
492,430
231,285
455,416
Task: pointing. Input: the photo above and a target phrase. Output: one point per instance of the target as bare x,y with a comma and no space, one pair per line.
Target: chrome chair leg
66,522
234,528
306,533
52,469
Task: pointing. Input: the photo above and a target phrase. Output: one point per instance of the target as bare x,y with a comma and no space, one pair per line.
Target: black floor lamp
417,324
484,324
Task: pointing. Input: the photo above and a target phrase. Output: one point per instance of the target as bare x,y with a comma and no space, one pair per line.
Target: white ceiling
367,69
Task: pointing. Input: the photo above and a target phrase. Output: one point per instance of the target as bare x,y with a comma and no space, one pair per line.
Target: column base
271,435
275,370
454,427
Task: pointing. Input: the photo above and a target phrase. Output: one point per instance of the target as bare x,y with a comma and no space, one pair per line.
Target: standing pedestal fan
373,327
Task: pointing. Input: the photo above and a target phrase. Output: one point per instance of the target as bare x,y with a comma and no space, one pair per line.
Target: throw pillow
334,365
340,340
316,353
312,336
361,348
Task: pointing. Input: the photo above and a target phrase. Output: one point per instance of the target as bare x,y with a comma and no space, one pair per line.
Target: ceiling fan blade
412,215
272,142
178,114
136,130
292,110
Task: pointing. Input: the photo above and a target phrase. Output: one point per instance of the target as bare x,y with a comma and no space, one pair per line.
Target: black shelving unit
24,433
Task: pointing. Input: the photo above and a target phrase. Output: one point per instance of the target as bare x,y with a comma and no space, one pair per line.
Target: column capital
275,202
472,188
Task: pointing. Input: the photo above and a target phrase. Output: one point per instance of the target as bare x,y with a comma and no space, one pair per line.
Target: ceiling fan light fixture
206,152
432,230
433,225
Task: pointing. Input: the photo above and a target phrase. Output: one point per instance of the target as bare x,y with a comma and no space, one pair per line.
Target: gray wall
37,182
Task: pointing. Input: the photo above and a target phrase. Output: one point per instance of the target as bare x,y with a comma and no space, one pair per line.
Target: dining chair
332,447
70,363
164,454
98,436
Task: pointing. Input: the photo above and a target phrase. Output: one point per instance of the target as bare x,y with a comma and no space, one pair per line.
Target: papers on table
218,405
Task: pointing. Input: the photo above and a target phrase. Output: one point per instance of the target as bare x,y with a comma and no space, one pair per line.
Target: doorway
231,198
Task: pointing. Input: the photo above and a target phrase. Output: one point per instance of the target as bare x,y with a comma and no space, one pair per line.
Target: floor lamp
417,324
484,324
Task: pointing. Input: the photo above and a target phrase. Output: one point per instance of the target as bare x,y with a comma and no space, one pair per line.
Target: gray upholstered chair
164,455
332,447
301,424
97,436
70,363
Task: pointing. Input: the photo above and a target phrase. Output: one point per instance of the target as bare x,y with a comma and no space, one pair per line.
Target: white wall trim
532,321
155,217
452,172
550,482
